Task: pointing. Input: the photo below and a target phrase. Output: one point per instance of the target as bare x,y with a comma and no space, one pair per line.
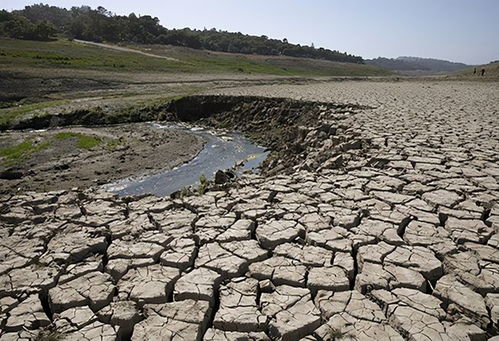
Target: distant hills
417,65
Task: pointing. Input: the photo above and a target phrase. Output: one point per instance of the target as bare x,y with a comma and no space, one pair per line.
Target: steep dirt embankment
302,135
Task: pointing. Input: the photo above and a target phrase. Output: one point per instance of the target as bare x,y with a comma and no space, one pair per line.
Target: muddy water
219,152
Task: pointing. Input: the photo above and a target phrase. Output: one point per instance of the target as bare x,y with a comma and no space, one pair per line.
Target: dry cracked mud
399,243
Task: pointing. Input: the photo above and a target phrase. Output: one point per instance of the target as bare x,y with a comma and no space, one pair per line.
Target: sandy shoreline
127,150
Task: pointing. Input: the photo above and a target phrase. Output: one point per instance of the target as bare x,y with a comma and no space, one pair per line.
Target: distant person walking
474,71
483,72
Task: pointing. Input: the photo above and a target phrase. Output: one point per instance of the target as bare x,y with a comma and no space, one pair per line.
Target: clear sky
458,30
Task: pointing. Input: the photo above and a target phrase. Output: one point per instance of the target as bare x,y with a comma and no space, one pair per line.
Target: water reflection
219,152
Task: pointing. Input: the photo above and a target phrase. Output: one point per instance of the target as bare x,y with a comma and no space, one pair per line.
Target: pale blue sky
458,30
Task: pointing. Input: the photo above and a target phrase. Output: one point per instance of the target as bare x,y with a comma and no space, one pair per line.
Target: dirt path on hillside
125,49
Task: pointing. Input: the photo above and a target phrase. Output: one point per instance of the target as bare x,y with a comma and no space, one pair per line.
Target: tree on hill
34,22
16,26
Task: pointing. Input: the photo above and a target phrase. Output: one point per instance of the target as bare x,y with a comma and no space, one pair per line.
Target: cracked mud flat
399,243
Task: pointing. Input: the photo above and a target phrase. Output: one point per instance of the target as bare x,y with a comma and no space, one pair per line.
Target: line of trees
41,22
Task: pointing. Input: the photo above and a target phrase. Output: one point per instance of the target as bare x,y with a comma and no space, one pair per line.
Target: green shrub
82,141
203,183
14,154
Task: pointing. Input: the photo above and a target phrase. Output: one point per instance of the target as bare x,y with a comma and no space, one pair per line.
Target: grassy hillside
491,72
37,78
42,22
64,54
276,65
